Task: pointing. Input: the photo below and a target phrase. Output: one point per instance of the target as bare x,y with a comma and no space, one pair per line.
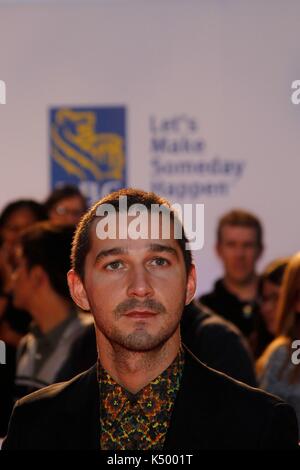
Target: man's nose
240,251
139,283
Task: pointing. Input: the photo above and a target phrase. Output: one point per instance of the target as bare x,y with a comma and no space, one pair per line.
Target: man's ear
191,285
77,290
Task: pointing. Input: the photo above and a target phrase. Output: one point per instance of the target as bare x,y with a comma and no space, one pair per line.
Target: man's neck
50,312
134,370
245,291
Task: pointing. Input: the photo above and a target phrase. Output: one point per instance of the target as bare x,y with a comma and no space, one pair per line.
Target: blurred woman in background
278,372
268,292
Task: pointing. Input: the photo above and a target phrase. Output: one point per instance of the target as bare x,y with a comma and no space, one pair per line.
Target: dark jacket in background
242,314
7,375
83,355
217,343
18,321
211,411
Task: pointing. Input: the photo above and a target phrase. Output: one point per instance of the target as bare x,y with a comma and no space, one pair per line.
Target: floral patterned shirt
138,421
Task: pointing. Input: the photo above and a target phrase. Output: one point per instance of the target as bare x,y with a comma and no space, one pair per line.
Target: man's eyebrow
111,252
154,247
163,248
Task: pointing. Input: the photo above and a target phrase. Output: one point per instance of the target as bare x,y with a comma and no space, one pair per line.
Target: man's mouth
140,314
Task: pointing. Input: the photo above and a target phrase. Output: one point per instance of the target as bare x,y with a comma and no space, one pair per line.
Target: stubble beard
140,340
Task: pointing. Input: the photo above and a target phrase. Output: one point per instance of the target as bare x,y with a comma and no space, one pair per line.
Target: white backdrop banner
206,87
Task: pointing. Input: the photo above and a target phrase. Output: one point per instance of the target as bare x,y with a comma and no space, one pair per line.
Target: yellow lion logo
80,150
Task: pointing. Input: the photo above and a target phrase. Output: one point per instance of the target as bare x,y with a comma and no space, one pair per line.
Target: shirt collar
113,396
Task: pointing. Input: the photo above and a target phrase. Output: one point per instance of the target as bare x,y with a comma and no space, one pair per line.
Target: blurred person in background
277,370
15,217
269,290
239,247
217,343
65,205
40,286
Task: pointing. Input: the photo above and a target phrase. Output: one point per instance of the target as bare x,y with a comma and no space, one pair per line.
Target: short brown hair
241,218
49,246
81,241
274,272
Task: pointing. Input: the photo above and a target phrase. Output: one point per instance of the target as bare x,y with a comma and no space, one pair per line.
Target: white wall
226,65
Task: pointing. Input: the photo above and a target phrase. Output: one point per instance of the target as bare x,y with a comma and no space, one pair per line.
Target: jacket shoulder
236,415
42,419
224,392
57,391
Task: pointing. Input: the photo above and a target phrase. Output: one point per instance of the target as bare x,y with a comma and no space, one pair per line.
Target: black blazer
211,411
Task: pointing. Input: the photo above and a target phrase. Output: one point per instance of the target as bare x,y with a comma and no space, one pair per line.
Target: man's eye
114,266
160,262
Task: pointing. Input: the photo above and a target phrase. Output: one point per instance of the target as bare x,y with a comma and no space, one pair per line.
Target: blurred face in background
67,211
269,302
16,223
22,281
19,220
239,251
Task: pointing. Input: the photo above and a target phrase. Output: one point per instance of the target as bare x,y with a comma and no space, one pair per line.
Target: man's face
136,290
239,252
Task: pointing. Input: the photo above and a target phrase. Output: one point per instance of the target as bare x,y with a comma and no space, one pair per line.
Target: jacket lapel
192,415
83,426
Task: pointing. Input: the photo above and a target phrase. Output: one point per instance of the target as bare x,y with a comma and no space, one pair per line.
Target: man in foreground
147,391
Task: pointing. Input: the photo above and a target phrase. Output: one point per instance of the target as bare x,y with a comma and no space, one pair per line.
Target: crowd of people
244,327
38,320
